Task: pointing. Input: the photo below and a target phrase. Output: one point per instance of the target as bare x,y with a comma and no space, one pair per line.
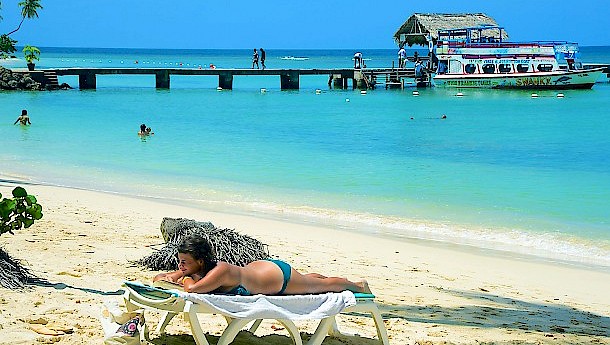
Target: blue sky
313,24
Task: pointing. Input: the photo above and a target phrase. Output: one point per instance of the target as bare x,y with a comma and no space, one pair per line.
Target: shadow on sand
245,337
506,313
61,286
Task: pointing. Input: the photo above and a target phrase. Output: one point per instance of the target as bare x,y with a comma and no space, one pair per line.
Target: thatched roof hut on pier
422,28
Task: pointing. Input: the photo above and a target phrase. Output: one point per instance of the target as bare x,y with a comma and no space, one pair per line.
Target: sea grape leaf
30,199
19,192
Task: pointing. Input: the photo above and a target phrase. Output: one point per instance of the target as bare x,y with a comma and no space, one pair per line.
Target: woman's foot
364,286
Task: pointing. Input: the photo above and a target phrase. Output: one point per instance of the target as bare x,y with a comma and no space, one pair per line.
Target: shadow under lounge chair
281,308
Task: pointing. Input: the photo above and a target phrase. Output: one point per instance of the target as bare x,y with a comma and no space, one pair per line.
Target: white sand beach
428,293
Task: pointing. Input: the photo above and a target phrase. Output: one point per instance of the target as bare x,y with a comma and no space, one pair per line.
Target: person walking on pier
255,59
263,56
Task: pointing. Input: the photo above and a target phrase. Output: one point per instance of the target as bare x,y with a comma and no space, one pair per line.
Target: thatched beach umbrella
421,27
13,275
228,245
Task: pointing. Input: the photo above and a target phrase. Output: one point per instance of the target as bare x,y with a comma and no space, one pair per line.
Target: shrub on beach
228,244
20,211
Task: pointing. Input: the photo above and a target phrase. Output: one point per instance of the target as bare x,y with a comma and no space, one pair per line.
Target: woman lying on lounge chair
198,271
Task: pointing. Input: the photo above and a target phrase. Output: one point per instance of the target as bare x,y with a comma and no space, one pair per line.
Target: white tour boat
477,57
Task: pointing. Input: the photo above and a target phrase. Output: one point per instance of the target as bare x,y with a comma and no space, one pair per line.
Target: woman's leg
317,283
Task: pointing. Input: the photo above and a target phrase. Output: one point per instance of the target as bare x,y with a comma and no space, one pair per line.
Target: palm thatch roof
419,25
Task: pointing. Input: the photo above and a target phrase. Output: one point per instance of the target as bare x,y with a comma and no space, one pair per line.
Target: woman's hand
171,277
187,282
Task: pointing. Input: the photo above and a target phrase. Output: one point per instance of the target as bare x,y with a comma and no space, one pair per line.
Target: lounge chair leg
292,330
334,328
166,317
255,325
231,331
323,329
195,326
144,335
382,334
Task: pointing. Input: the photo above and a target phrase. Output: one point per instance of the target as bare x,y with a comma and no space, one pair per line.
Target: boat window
455,67
470,68
522,68
442,66
504,68
545,67
489,68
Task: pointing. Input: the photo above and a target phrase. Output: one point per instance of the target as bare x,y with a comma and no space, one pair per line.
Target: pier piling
87,81
162,79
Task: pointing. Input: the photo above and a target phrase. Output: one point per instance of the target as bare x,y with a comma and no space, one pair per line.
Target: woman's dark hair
199,248
24,112
142,127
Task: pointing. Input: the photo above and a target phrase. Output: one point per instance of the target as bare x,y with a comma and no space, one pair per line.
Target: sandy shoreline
426,293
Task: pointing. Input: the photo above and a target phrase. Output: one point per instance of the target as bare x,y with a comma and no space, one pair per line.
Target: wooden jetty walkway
289,78
368,78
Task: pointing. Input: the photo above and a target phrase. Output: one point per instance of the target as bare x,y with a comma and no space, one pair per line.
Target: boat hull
557,80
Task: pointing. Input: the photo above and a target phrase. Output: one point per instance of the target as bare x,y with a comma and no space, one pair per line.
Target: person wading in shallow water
23,118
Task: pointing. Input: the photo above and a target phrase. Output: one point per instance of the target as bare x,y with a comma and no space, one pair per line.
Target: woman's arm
170,276
215,278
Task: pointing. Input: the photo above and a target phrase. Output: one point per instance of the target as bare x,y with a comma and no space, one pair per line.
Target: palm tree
29,9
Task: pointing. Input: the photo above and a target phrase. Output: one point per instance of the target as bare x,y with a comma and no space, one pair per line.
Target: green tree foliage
29,10
18,212
31,53
7,46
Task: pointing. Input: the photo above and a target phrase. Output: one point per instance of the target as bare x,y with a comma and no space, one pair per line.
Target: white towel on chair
292,307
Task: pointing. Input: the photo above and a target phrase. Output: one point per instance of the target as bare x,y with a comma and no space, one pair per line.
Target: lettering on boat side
468,83
533,81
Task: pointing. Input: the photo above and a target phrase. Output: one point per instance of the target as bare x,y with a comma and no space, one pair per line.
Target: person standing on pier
357,60
402,57
255,59
263,56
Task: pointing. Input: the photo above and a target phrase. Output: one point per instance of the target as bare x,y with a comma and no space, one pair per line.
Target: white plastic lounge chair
172,302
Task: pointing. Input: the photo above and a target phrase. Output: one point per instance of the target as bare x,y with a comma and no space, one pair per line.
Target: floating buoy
347,99
318,91
534,95
560,95
415,93
363,92
263,90
459,94
219,88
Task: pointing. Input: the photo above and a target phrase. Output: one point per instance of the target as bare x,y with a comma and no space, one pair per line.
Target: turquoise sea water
503,171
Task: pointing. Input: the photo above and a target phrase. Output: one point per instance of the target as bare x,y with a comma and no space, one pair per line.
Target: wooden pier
368,78
289,78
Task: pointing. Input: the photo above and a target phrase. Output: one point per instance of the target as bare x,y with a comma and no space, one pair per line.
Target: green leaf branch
18,212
